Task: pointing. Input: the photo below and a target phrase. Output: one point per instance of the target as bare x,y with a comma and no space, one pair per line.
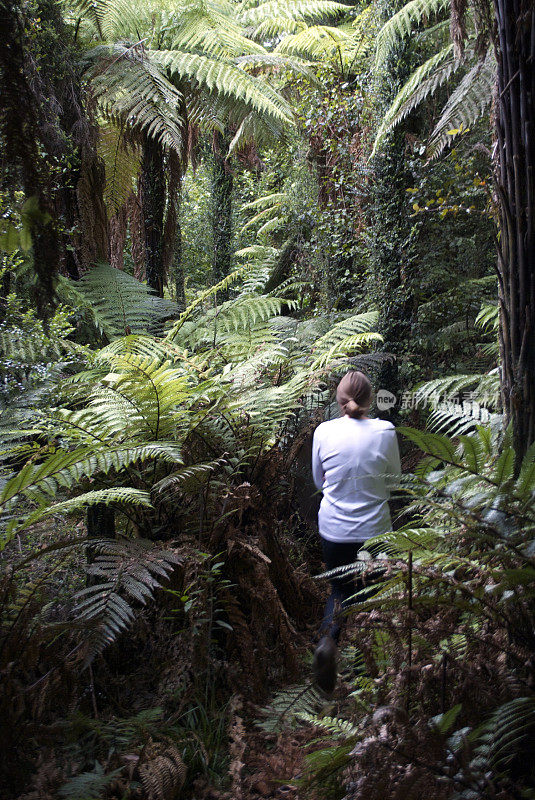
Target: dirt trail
268,766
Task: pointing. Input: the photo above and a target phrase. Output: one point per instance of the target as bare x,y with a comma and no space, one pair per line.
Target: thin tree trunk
153,195
390,230
515,133
222,183
178,268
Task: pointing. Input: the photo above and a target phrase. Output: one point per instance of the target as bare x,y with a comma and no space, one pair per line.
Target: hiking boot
324,665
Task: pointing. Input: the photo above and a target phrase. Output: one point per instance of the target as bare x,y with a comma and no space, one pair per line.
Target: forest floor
273,764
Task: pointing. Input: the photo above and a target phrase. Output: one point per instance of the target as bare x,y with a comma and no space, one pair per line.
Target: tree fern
468,102
122,165
401,24
127,569
423,83
120,304
133,92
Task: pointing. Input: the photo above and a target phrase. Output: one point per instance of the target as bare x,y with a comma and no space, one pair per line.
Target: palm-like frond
108,17
403,23
120,304
422,84
273,18
119,495
317,42
212,28
470,100
134,93
127,569
224,79
122,164
358,323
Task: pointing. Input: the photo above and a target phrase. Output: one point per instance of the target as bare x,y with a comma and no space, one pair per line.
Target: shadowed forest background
210,211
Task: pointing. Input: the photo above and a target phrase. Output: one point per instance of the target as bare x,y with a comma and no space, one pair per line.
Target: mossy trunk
222,184
178,269
390,230
40,121
154,196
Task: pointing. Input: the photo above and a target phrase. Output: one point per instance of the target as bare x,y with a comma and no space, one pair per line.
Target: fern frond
317,42
339,727
187,479
423,83
273,18
210,292
122,164
88,785
288,706
345,347
488,317
225,79
358,323
120,304
469,101
122,496
507,733
133,92
403,22
485,389
127,569
66,470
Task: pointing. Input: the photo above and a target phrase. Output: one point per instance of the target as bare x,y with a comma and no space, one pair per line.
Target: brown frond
162,771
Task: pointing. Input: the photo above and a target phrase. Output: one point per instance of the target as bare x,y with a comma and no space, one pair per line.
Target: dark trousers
338,554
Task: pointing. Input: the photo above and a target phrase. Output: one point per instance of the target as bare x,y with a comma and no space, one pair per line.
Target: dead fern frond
162,771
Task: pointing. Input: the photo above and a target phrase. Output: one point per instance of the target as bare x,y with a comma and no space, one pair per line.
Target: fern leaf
440,447
225,79
118,495
468,102
133,92
122,165
133,569
120,304
289,705
423,83
403,22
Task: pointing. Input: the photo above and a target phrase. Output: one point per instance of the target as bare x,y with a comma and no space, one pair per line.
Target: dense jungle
211,210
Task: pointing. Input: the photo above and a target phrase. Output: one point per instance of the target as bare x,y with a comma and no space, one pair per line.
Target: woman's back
355,462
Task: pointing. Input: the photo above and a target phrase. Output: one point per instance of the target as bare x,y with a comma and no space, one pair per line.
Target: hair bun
352,408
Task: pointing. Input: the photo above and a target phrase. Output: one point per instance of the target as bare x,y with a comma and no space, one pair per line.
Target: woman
355,463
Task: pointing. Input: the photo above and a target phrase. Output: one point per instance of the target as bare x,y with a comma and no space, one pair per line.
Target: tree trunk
390,231
222,181
153,194
515,132
178,268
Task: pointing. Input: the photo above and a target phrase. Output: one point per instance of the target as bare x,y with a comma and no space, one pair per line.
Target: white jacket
355,463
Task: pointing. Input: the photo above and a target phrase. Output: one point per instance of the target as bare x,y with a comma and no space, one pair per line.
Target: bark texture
515,132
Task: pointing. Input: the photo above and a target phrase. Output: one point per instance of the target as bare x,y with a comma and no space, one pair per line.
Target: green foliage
289,706
119,304
88,785
402,24
118,570
470,99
